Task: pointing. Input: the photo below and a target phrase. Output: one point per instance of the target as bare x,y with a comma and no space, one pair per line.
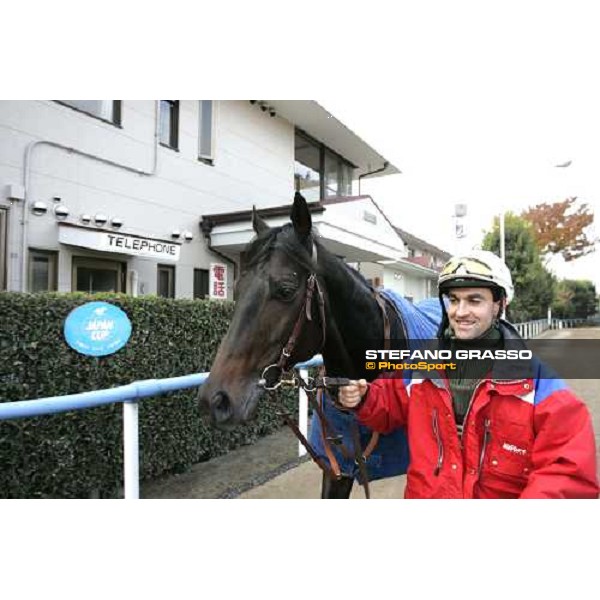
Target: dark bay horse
288,273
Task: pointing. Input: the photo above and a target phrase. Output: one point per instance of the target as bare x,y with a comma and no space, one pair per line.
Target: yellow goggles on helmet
466,266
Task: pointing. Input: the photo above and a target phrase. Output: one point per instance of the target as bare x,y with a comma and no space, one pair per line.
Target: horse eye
283,290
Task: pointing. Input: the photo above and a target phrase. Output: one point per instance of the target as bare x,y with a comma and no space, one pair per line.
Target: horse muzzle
228,409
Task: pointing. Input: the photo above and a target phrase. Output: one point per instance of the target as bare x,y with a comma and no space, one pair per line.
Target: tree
534,285
575,299
559,228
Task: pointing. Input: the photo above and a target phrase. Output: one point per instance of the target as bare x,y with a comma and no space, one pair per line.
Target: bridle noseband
287,377
285,370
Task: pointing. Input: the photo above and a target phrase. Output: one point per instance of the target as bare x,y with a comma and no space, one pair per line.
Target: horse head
274,311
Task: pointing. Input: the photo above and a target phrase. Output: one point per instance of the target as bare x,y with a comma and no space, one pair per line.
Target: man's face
471,311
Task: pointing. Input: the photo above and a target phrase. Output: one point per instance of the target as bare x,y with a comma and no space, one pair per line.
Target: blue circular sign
97,329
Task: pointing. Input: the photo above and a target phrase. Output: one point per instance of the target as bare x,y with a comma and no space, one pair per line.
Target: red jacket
523,439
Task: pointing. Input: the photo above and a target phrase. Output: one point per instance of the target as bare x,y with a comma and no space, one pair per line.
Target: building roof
312,118
415,242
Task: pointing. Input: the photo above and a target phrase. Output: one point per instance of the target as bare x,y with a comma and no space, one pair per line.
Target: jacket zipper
486,439
436,431
469,409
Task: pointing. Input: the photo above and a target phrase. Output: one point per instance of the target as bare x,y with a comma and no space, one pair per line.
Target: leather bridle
287,377
286,373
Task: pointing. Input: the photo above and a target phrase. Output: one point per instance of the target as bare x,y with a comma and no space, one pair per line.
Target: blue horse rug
391,456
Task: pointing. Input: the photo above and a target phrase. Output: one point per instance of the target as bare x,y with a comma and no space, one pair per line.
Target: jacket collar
503,386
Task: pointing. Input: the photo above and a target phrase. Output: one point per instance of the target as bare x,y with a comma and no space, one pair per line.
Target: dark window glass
96,280
92,276
42,271
307,168
319,172
205,131
165,285
107,110
200,283
169,123
3,219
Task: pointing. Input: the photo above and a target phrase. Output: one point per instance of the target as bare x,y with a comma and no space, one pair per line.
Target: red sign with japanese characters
218,281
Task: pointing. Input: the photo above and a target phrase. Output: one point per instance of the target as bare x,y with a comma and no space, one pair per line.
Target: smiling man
473,436
471,312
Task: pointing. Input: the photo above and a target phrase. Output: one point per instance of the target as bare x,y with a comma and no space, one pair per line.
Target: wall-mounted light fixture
39,208
61,212
116,222
175,234
264,107
85,219
100,219
188,236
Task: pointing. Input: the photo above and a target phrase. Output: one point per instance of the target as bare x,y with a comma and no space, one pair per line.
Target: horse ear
301,215
258,223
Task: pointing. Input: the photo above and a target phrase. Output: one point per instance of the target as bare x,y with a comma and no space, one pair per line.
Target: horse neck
354,319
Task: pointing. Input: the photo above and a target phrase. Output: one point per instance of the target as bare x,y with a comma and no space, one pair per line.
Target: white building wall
393,280
254,161
415,287
410,285
355,217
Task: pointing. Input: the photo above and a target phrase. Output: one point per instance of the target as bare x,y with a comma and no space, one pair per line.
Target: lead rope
360,458
329,437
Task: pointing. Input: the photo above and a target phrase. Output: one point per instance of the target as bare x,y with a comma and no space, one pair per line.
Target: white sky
479,113
474,101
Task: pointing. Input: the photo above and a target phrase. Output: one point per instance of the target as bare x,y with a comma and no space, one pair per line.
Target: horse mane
284,238
279,238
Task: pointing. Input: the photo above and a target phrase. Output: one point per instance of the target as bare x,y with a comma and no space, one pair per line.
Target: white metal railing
531,329
129,395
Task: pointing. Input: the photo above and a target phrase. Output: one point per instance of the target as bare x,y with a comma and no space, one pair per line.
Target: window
206,131
3,219
107,110
200,283
165,285
318,171
169,123
307,168
338,175
92,275
42,271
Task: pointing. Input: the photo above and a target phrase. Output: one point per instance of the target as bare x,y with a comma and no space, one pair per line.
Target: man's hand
350,396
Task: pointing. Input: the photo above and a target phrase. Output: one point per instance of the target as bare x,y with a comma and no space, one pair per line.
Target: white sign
217,282
121,243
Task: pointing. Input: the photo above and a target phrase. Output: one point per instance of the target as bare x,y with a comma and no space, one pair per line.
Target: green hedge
79,454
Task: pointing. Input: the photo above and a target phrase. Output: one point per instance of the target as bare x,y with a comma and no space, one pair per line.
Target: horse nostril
221,407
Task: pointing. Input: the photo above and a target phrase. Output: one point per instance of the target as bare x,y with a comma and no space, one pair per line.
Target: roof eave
312,118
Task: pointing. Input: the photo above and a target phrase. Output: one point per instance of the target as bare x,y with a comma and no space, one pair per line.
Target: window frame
89,262
207,294
52,255
171,282
174,108
117,112
3,247
209,158
323,152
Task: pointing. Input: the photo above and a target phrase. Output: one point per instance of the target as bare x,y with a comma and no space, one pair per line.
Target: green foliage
79,454
575,299
534,285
